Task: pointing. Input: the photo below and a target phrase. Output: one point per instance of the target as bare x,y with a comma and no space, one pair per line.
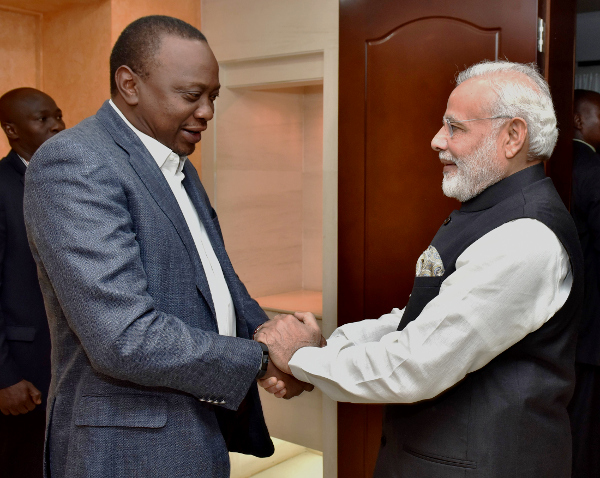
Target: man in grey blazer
154,372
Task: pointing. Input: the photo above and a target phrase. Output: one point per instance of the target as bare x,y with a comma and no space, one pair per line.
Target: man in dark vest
478,368
29,117
584,408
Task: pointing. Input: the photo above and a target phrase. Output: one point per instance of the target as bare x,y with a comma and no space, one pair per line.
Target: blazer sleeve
9,371
83,237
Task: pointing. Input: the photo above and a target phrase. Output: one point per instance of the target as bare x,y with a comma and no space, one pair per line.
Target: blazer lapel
195,190
14,160
150,174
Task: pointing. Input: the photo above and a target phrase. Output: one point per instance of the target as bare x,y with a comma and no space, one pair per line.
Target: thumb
34,393
306,317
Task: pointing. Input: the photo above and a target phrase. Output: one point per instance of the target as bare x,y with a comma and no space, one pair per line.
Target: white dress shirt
506,285
171,165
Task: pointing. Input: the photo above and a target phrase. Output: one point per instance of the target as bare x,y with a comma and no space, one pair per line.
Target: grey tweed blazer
142,383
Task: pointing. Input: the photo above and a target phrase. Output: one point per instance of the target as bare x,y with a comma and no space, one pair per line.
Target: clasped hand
284,335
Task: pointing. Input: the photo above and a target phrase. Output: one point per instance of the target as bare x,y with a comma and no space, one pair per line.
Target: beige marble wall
259,186
76,47
20,53
312,190
269,183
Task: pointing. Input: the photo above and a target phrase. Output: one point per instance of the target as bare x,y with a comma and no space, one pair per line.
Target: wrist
264,363
256,330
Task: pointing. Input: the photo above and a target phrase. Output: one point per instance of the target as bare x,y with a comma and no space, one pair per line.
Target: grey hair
528,98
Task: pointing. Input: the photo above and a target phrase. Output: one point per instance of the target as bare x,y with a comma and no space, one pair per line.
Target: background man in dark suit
585,208
29,117
154,372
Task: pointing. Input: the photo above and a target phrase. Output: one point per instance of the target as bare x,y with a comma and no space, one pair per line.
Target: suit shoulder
8,173
86,142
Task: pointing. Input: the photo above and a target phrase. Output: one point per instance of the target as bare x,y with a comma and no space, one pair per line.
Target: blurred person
28,117
584,408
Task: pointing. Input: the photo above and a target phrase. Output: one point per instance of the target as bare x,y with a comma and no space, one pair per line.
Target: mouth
193,134
449,165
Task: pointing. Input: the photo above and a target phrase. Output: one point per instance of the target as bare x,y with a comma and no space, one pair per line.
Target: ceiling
43,6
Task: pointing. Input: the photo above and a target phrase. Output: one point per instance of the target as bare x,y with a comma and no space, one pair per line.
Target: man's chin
184,150
452,188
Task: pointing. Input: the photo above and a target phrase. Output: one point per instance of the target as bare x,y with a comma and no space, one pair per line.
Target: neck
520,162
128,112
21,152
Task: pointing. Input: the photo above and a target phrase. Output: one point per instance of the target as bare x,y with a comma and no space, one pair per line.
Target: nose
205,110
58,125
440,140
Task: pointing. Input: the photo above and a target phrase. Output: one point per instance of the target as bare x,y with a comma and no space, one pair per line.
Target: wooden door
398,61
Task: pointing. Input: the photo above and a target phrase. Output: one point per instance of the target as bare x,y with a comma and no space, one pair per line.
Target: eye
214,97
42,119
192,95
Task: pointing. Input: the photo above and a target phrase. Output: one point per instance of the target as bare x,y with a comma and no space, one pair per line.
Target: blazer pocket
20,333
138,411
428,281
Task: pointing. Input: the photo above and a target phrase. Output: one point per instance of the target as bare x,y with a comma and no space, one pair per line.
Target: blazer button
447,220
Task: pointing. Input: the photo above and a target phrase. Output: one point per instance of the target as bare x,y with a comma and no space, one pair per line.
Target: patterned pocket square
430,264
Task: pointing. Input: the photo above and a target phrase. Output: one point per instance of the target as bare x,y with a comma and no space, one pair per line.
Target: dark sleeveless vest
508,419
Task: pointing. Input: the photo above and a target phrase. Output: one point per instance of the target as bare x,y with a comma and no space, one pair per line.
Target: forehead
32,104
186,61
470,99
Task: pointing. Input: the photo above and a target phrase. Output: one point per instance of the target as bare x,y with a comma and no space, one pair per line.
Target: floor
289,461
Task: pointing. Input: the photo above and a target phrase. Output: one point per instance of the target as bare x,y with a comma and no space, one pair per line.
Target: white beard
474,173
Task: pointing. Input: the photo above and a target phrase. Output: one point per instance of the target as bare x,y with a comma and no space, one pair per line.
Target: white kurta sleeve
506,285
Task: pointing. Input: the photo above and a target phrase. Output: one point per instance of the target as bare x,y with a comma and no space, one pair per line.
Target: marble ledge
290,302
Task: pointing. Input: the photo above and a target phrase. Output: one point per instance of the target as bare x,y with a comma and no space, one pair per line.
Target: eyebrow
196,85
47,112
451,118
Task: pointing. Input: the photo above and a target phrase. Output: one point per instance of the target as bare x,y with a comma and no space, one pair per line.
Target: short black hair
139,42
583,97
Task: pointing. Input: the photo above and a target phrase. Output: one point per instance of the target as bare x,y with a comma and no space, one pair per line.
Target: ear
11,131
577,121
127,84
515,138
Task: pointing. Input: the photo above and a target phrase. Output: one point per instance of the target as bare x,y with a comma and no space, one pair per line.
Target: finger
35,394
308,387
267,382
276,388
281,393
5,411
306,317
23,407
280,316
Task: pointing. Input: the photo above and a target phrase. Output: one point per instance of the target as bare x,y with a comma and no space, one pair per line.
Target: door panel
403,175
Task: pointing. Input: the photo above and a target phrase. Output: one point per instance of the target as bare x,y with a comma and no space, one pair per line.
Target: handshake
284,335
